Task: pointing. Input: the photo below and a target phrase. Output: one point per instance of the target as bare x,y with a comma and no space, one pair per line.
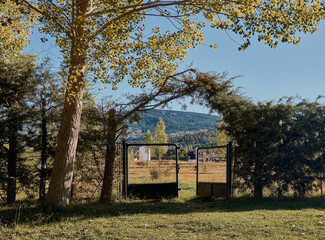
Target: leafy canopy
122,42
16,24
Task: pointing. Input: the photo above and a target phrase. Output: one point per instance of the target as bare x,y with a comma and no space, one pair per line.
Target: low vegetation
241,218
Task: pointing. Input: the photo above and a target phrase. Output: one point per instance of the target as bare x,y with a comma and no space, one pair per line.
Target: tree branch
47,16
135,9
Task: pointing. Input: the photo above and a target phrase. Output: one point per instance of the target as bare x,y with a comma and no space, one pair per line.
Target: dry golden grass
165,171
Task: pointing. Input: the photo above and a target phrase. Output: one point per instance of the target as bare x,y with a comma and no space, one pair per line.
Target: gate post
124,185
177,168
197,171
229,158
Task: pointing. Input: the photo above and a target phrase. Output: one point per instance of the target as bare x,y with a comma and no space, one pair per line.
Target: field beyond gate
163,171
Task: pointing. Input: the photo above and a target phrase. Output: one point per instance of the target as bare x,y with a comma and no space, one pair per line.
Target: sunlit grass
186,217
242,218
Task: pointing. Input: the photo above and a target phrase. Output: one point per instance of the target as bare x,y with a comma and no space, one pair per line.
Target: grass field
187,217
242,218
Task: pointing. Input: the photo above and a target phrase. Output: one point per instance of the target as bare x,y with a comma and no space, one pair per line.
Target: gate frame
228,167
126,163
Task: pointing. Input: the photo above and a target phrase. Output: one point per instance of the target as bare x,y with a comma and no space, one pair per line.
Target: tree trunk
12,157
59,193
43,152
258,173
62,172
106,193
258,191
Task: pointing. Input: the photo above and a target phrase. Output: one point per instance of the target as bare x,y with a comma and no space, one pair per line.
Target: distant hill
200,139
178,123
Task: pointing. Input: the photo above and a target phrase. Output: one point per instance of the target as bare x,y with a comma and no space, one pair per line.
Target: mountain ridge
178,123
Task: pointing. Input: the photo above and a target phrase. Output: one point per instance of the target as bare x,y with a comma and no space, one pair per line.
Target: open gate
150,170
213,178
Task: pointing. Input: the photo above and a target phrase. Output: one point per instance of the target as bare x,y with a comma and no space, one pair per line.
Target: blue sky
266,74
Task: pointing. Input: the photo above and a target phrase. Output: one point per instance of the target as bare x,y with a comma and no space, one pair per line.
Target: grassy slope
241,218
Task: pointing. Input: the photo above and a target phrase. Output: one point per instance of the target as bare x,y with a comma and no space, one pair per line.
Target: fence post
124,169
177,168
229,158
197,171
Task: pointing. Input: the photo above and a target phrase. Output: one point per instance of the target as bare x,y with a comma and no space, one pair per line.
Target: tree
110,40
279,146
148,138
222,138
161,137
16,88
48,96
301,151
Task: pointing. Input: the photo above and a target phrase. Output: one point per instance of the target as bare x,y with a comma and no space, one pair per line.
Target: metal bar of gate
127,166
229,158
177,168
124,168
152,144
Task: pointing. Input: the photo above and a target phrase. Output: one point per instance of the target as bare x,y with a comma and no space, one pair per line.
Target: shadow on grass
30,212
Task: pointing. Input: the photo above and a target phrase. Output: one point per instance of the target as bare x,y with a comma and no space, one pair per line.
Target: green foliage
48,96
148,138
17,87
154,173
222,138
279,145
118,42
160,132
160,137
16,23
90,158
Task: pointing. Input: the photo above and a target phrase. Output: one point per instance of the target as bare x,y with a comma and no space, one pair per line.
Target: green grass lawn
241,218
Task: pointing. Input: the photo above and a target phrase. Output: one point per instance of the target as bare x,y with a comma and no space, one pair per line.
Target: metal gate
213,171
150,170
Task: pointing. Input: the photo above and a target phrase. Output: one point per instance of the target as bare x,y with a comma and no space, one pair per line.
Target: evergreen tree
47,108
16,89
279,146
222,137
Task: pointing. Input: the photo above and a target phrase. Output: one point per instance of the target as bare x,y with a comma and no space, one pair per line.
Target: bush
154,174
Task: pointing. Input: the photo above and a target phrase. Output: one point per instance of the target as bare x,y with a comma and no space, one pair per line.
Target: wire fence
89,171
151,164
146,164
212,164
